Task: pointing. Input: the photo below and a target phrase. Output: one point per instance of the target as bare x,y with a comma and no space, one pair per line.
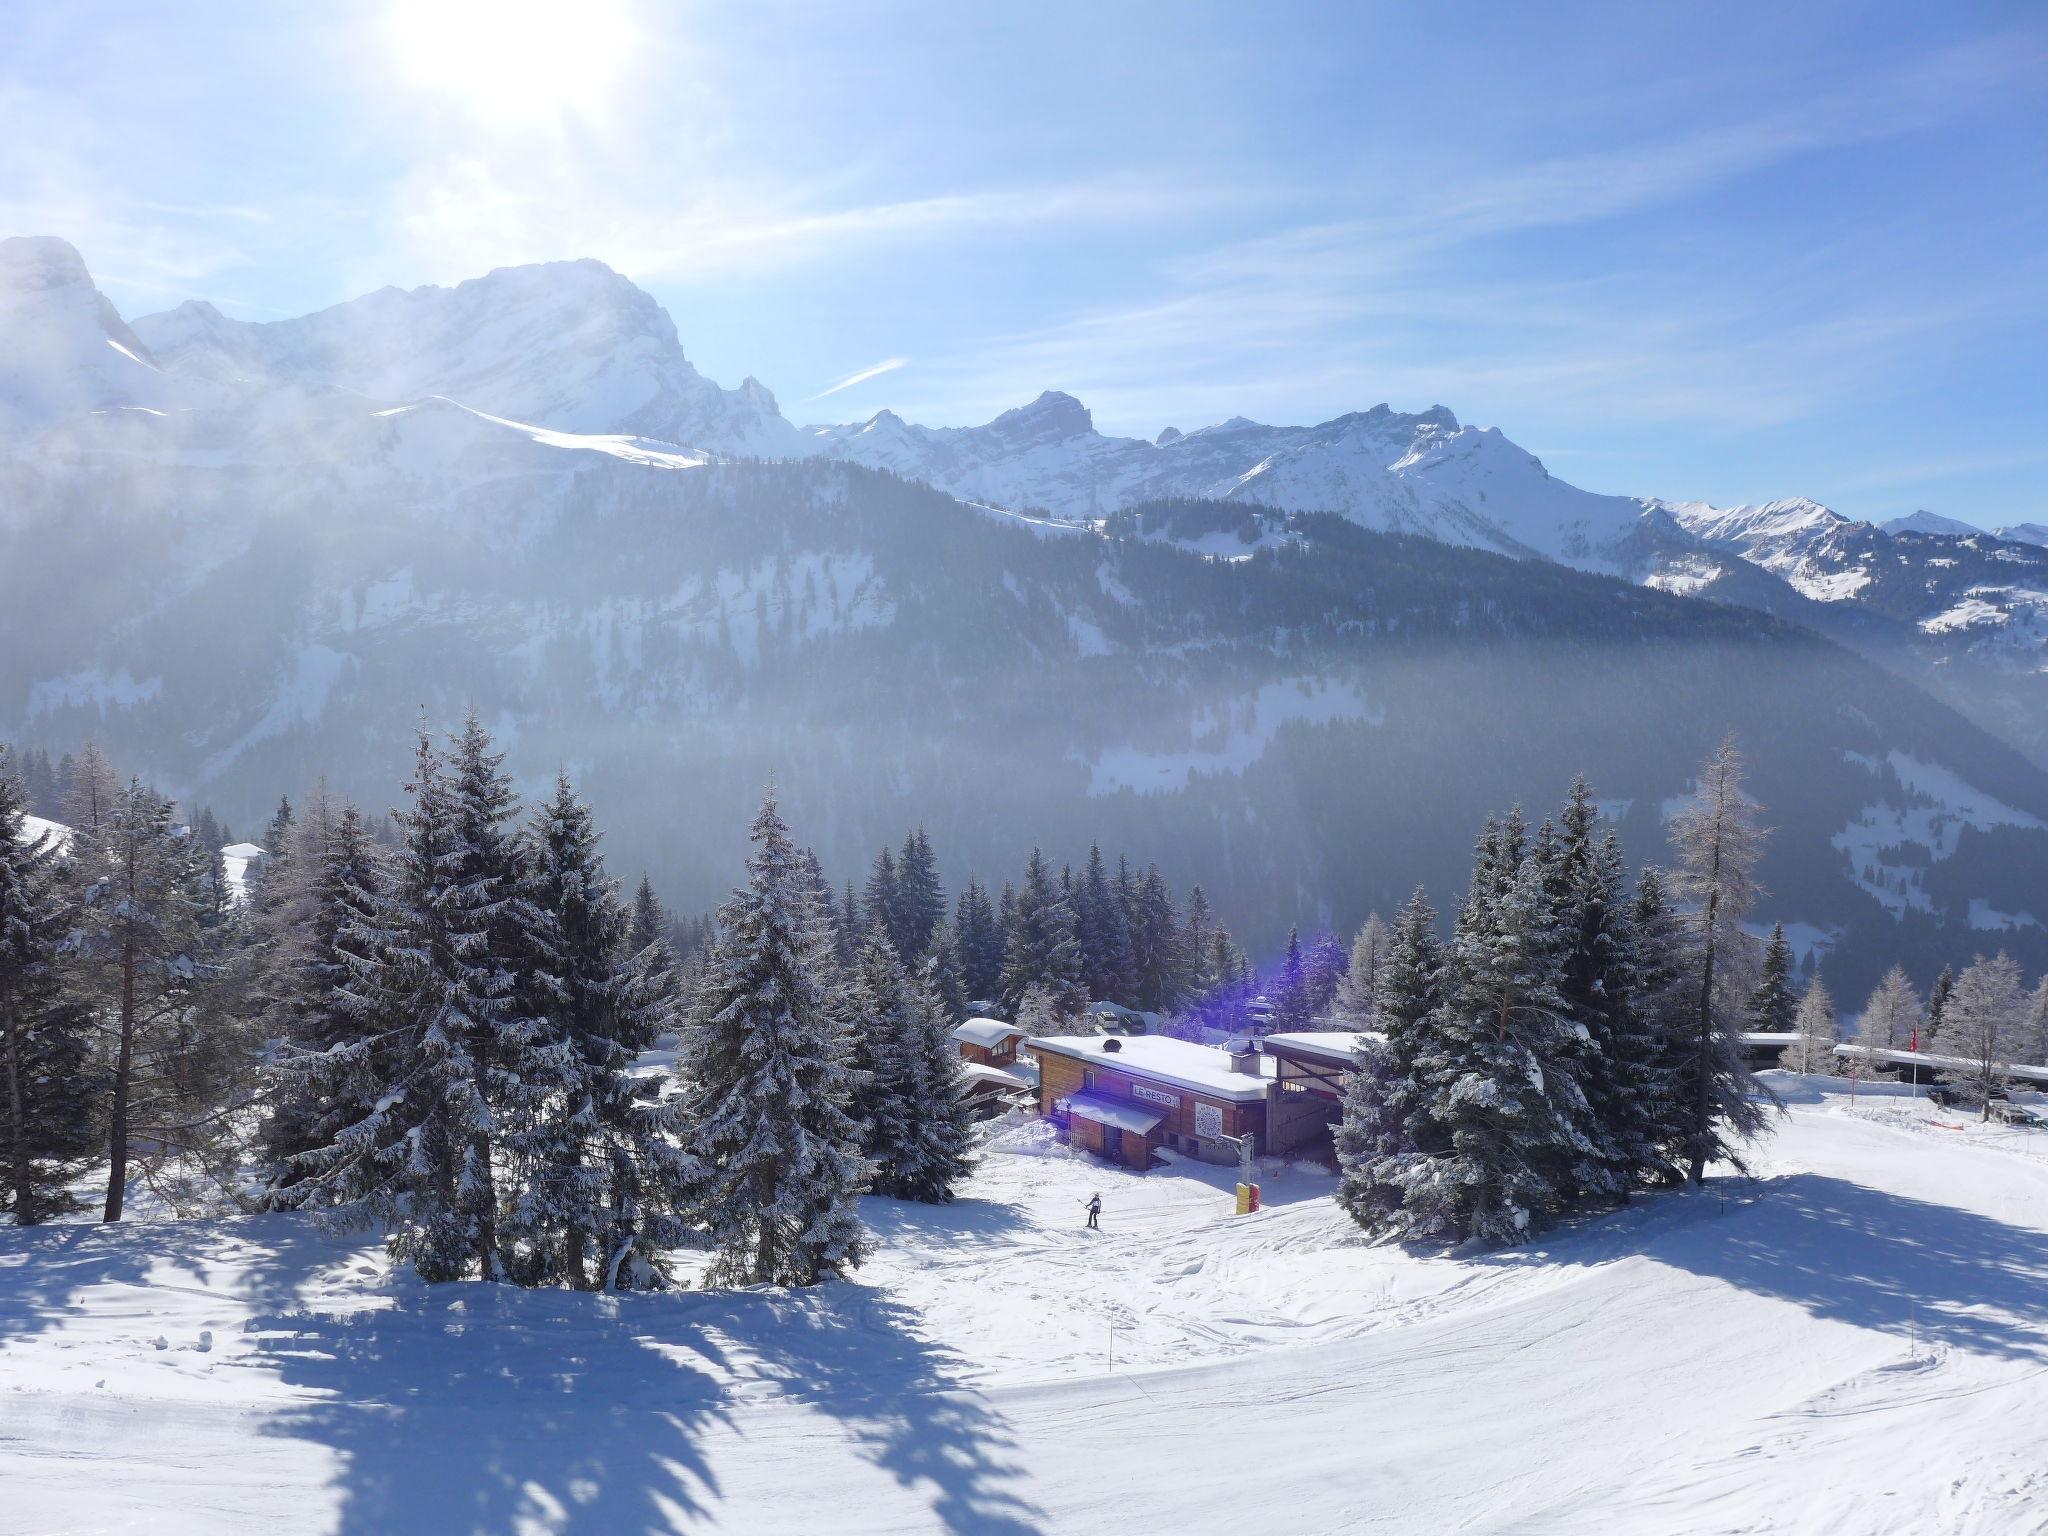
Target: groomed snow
1856,1343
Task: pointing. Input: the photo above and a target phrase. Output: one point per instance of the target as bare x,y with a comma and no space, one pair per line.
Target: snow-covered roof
1943,1063
980,1074
1338,1045
1768,1036
243,851
33,827
1125,1117
1158,1058
986,1032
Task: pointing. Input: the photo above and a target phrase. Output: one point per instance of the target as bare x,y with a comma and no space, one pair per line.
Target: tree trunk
1702,1089
117,1127
24,1191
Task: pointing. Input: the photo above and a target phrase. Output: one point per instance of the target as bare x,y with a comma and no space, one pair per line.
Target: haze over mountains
242,554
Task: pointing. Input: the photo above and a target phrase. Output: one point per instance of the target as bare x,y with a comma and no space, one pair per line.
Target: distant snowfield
1231,742
1738,1360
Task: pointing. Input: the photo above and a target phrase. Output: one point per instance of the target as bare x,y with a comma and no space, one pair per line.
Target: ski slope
1857,1341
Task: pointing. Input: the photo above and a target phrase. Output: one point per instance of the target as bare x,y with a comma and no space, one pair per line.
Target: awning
1115,1112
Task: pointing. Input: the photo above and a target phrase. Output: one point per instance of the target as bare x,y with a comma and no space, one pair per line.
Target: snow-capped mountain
567,345
1924,521
2026,533
64,350
517,494
1402,473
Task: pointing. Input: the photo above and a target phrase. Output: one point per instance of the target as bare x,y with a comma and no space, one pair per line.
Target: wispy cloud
1402,302
861,376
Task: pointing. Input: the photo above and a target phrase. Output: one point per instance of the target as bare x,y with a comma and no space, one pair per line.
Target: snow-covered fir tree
980,942
778,1164
602,1178
1774,1005
1042,950
306,949
48,1086
436,1035
1587,886
920,898
1385,1128
1101,931
1291,1001
1502,1064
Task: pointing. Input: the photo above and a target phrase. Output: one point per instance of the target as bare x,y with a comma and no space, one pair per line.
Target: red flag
1914,1043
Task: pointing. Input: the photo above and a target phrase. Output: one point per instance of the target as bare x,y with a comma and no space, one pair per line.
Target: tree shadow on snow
1846,1252
474,1407
856,1356
45,1269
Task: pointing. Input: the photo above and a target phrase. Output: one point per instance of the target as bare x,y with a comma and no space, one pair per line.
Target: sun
514,60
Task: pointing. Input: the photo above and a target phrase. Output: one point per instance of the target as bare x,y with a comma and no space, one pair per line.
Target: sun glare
511,60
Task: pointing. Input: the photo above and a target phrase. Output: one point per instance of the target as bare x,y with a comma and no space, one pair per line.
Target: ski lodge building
1123,1097
994,1076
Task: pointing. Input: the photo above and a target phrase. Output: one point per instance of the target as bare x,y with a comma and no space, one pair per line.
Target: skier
1094,1210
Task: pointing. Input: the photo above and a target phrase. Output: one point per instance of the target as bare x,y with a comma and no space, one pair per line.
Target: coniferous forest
454,1027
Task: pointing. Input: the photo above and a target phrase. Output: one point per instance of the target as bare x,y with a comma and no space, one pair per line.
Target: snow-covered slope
2026,533
568,345
1853,1343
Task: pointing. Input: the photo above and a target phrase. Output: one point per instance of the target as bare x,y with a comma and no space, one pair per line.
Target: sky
1728,252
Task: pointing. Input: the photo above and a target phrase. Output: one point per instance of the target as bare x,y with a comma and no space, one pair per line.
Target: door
1113,1143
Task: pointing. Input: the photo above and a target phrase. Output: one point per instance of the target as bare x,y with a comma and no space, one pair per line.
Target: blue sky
1730,251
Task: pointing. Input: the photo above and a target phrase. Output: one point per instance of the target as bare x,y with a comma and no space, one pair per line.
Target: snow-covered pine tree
937,1154
418,1156
1100,930
1358,988
980,940
1814,1025
308,950
777,1155
49,1088
941,969
1157,962
1774,1005
920,898
603,1178
1937,998
1982,1023
1718,842
882,898
1041,947
1661,988
1891,1018
1385,1127
647,933
1589,893
1501,1063
1326,962
1290,988
873,1011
